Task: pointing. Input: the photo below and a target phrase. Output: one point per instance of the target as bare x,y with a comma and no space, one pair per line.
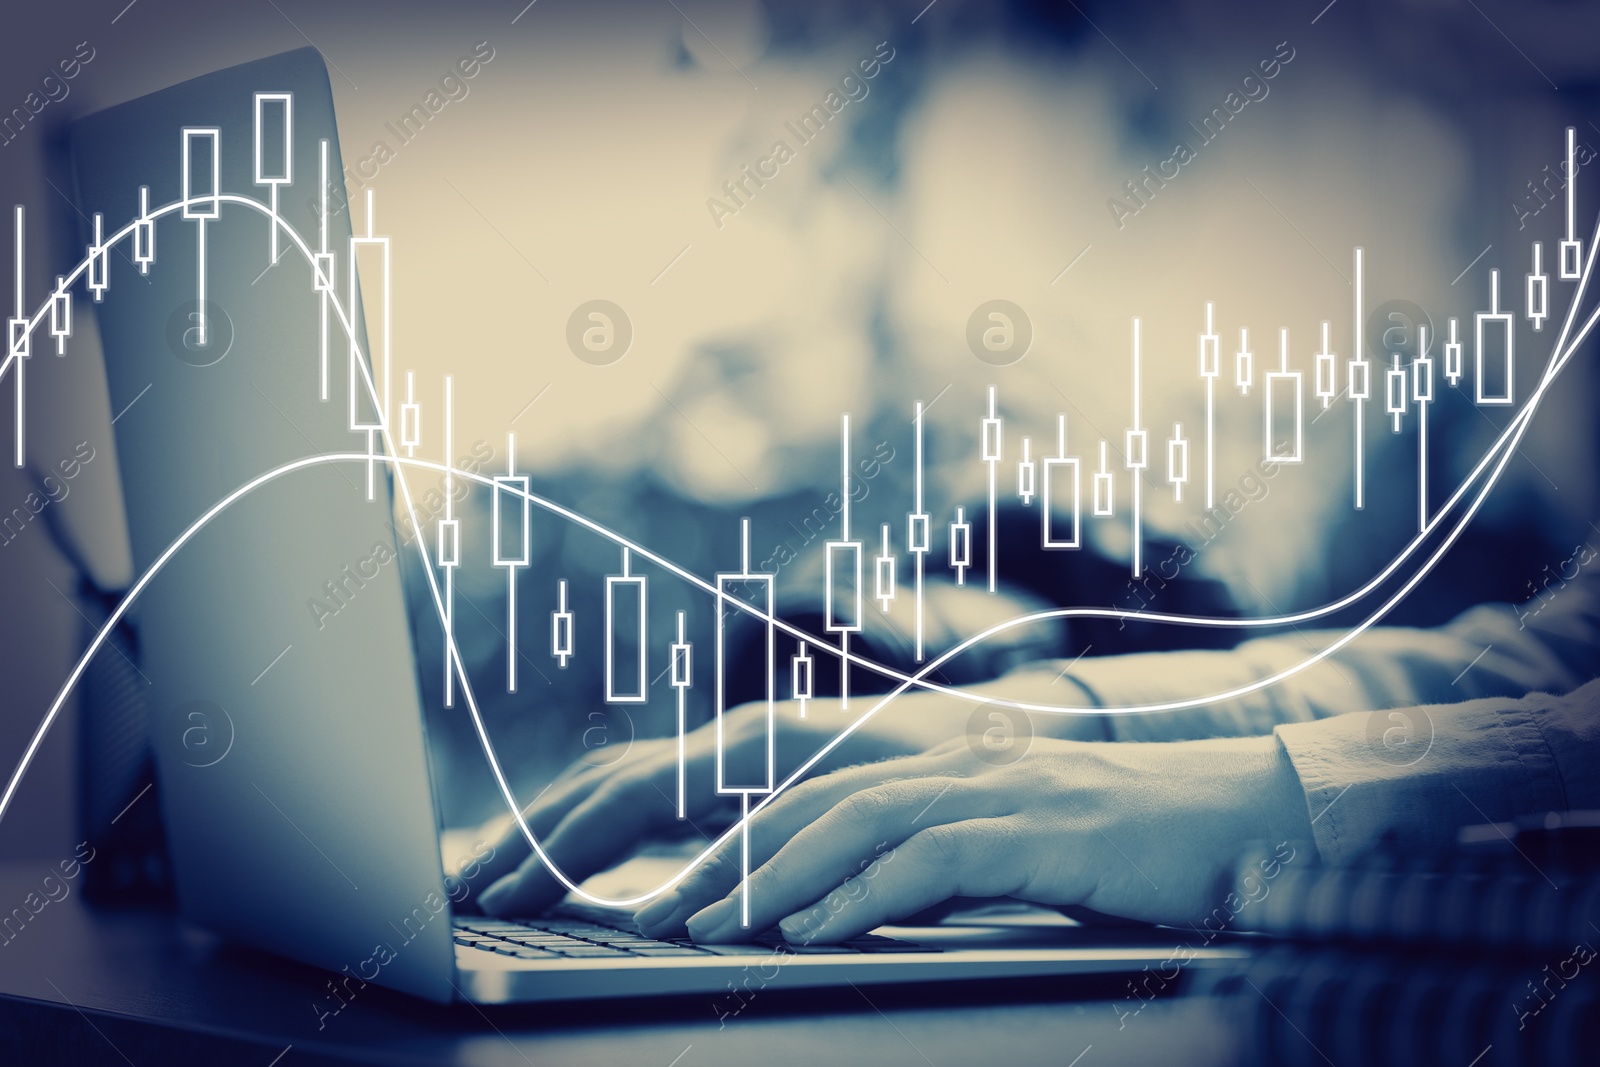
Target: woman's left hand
1144,831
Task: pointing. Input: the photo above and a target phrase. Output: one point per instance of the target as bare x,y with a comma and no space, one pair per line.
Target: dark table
83,986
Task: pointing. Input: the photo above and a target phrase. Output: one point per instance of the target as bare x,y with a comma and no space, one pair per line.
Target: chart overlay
1290,383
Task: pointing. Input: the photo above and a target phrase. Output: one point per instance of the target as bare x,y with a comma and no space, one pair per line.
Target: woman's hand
1145,831
593,816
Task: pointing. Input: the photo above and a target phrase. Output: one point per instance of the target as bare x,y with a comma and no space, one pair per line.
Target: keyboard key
592,952
670,950
663,944
772,937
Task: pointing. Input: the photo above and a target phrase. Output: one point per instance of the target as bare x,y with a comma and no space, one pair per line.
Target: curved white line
1518,425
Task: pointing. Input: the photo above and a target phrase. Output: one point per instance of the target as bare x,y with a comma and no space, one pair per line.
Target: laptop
290,747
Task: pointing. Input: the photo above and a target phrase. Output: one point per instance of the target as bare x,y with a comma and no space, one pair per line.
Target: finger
594,818
977,857
599,830
542,815
715,876
837,849
796,808
576,787
943,910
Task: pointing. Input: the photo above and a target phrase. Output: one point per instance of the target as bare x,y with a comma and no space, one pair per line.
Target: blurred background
969,153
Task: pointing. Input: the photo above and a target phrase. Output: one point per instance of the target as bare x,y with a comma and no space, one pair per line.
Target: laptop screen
303,820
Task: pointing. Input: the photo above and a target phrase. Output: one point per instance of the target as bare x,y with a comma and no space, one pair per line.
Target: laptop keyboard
571,933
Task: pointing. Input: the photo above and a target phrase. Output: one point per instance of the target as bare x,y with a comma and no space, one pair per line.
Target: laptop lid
289,740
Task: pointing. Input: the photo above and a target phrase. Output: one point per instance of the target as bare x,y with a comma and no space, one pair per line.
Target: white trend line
1505,444
1519,425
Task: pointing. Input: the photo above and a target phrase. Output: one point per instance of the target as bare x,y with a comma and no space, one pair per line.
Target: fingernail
795,929
658,910
715,921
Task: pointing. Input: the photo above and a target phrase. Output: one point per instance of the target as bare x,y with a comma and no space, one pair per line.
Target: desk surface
85,986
